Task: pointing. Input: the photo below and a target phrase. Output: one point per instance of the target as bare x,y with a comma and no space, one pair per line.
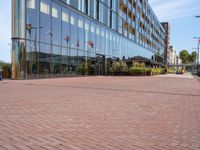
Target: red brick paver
103,113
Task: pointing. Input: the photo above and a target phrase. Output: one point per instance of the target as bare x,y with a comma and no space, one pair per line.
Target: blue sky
180,14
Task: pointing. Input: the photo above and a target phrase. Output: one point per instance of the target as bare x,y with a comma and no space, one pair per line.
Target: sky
179,13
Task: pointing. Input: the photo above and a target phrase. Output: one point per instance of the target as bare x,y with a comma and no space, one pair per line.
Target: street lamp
198,46
198,17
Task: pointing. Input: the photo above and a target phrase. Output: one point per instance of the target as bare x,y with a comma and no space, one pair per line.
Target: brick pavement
100,113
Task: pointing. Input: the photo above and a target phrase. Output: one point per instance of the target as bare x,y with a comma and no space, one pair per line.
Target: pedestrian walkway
101,113
186,76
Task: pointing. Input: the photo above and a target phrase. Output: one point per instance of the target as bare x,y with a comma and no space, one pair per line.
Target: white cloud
170,9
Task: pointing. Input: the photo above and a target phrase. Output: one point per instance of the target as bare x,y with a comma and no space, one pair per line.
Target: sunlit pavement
101,113
186,75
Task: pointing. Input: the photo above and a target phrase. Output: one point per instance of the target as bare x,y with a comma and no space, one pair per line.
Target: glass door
100,65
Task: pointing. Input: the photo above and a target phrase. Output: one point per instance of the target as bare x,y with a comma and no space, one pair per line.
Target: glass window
31,4
65,27
56,24
86,9
81,63
80,22
93,36
107,43
45,21
98,39
56,60
114,21
72,21
32,59
65,61
82,5
72,60
32,20
88,46
102,41
75,3
44,7
67,1
45,60
81,36
54,12
93,7
73,39
65,16
114,5
106,18
81,58
101,15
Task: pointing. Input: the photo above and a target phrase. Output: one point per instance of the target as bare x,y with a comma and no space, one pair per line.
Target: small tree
184,55
193,57
188,58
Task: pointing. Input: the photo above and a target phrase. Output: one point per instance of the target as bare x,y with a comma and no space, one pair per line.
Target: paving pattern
100,113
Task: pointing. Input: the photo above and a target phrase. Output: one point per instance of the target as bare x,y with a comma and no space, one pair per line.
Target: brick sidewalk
100,113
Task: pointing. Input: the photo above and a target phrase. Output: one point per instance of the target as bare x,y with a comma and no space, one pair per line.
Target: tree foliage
193,57
5,66
186,57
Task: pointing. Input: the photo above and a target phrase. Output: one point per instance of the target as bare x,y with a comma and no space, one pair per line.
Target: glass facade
58,38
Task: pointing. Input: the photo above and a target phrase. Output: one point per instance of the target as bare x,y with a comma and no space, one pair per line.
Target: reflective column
18,36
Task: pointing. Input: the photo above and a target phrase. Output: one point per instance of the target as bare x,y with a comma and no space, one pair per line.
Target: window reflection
62,42
45,21
56,24
73,39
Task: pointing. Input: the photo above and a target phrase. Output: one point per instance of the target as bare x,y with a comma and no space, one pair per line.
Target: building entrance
100,65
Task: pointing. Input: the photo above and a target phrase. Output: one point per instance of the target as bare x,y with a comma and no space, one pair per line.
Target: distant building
172,56
178,60
166,26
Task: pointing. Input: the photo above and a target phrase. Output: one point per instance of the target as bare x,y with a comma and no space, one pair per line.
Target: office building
59,38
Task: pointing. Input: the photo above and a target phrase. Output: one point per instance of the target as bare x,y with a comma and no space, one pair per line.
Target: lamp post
198,46
198,17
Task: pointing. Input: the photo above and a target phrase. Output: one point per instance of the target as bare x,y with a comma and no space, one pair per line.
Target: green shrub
118,67
157,71
170,71
180,71
136,64
138,71
82,69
